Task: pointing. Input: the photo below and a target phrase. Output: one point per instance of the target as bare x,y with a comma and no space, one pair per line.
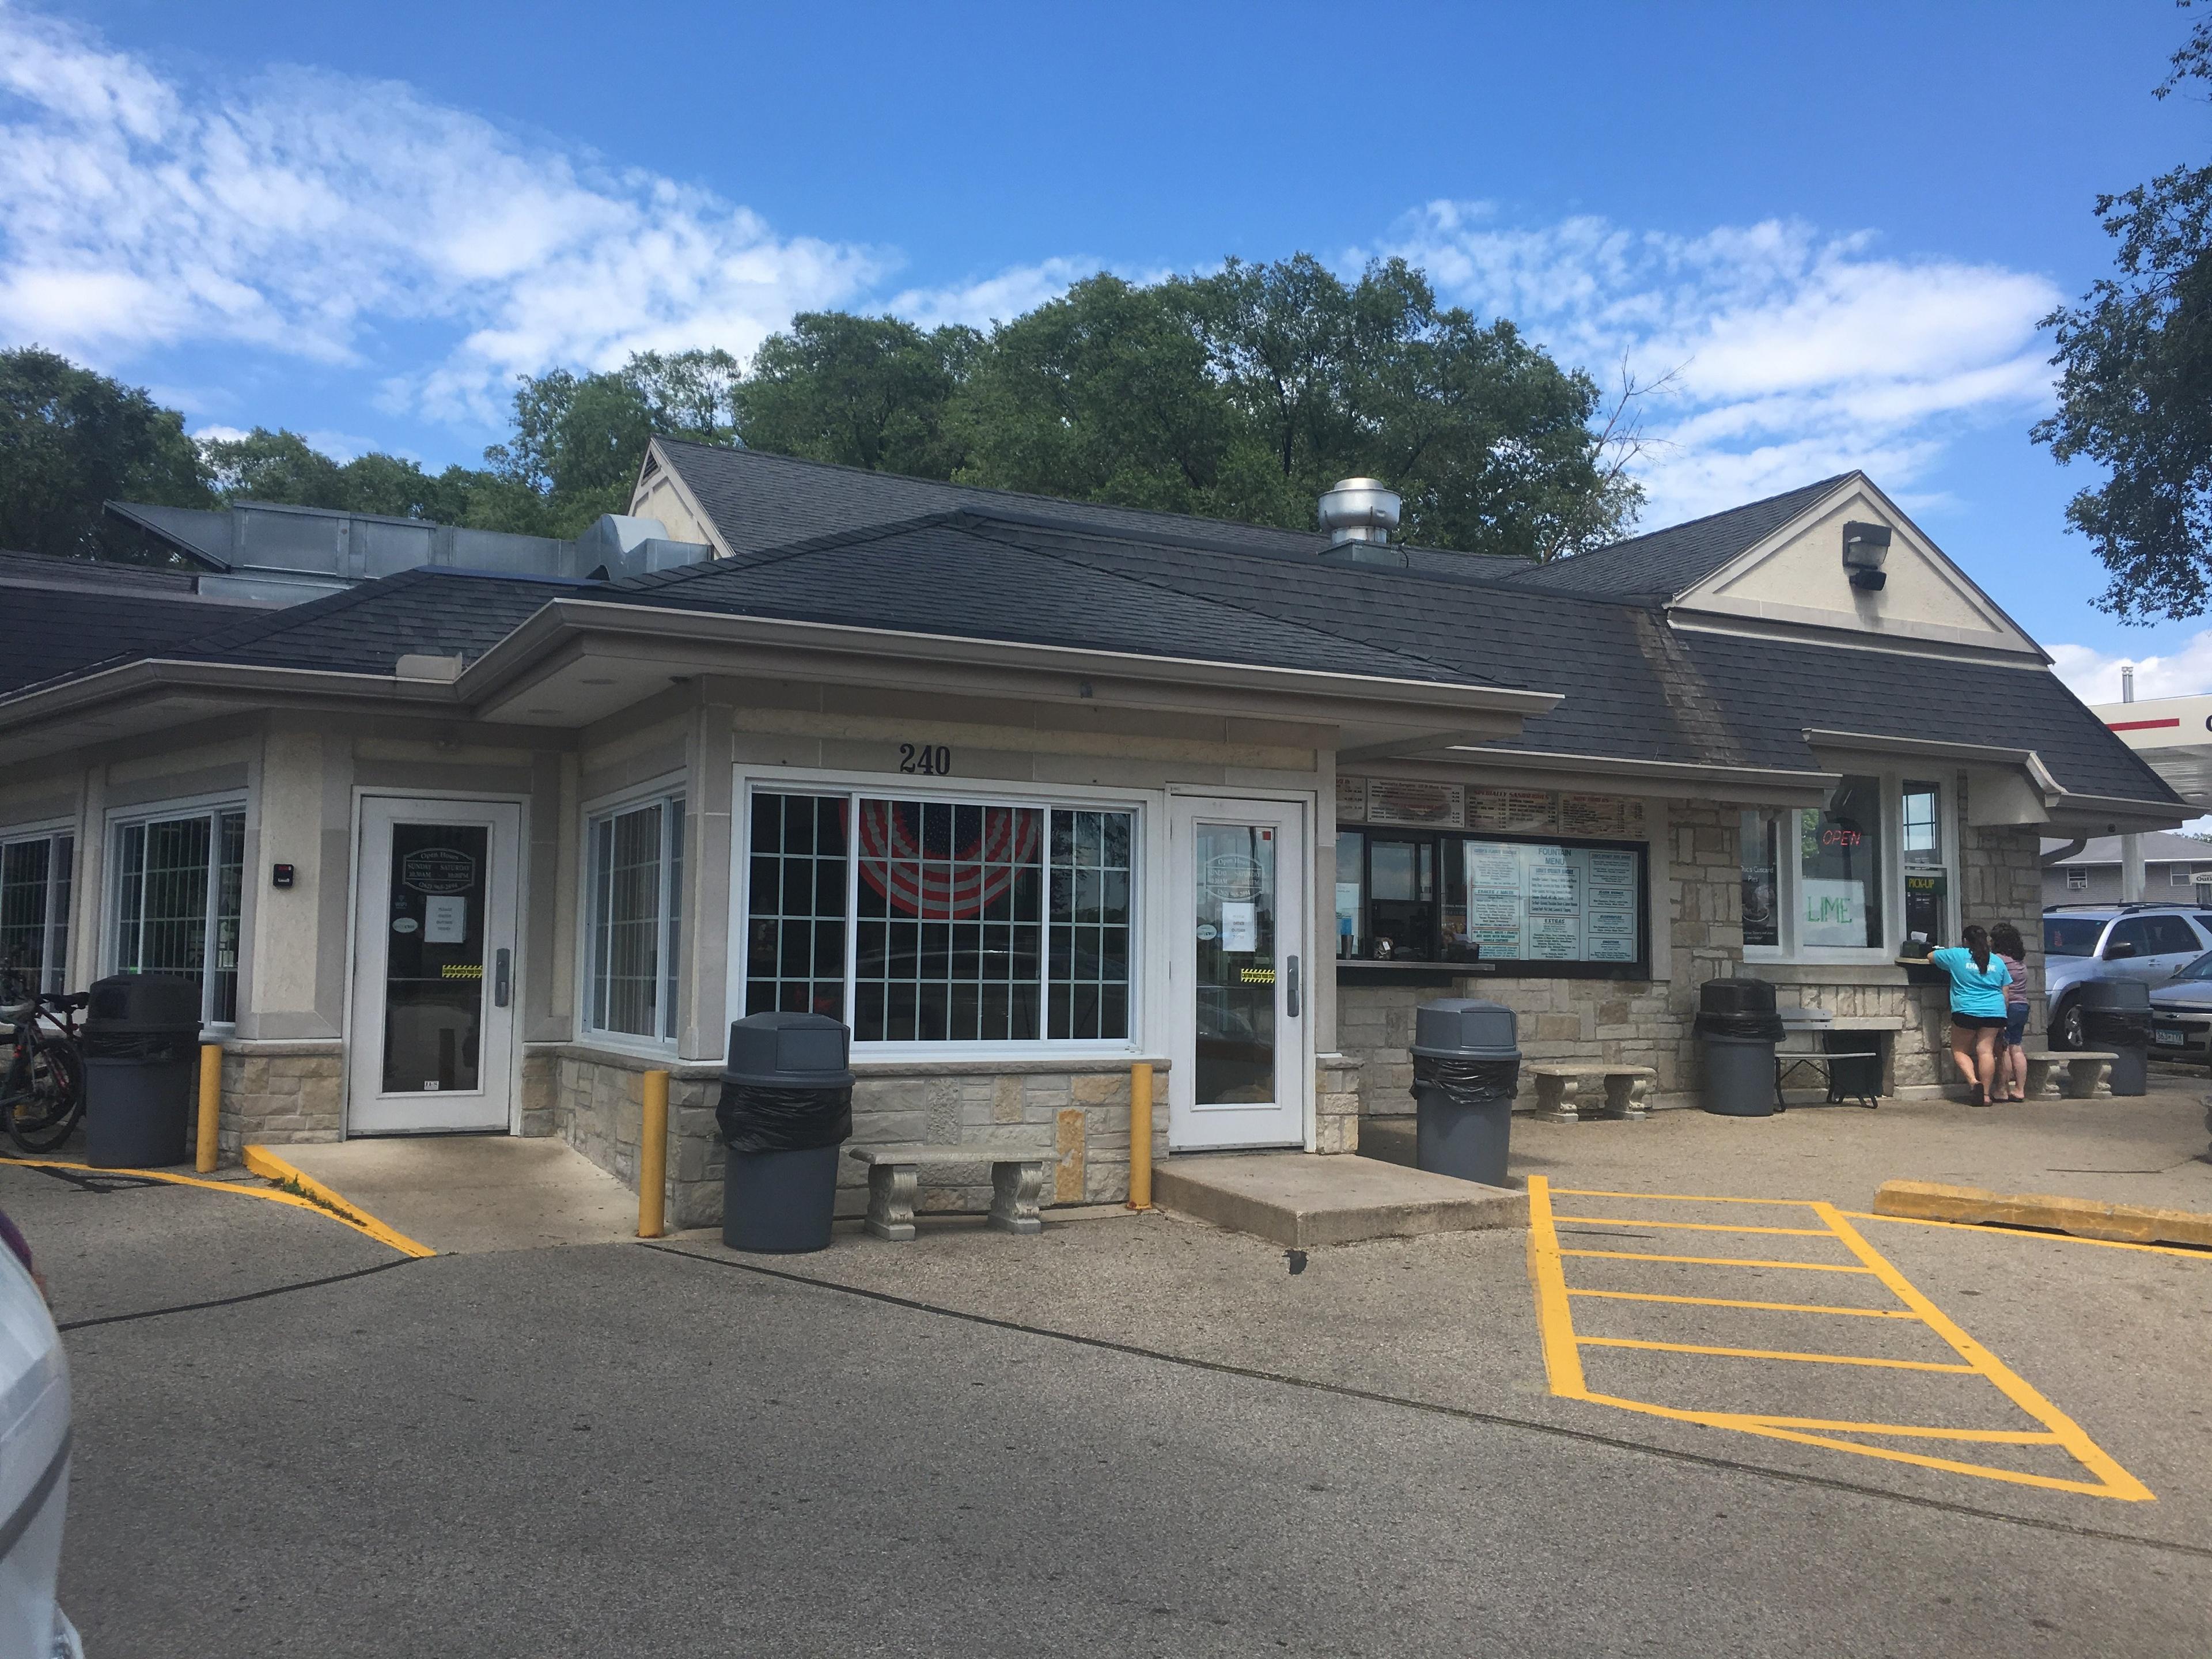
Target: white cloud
219,434
300,211
1801,352
2184,671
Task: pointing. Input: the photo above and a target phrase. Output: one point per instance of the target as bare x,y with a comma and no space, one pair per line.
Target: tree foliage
1242,394
2135,388
70,440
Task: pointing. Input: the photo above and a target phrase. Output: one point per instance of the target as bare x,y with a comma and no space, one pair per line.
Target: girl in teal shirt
1977,1008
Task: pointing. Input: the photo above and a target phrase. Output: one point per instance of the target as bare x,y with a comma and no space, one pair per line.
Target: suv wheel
2065,1031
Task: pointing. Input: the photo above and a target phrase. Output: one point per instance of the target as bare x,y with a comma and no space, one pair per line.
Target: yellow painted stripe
266,1164
1683,1198
1562,1362
1886,1454
2120,1484
1720,1261
1767,1307
1694,1226
2181,1250
1777,1353
1913,1430
353,1218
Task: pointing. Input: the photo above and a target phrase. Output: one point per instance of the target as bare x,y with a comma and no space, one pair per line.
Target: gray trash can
141,1039
1737,1019
2115,1014
1466,1064
786,1111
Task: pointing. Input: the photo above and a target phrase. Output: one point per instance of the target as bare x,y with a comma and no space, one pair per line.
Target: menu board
1351,799
1395,800
1541,902
1513,812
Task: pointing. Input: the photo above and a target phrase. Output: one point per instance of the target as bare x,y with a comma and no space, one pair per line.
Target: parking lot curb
270,1167
2083,1217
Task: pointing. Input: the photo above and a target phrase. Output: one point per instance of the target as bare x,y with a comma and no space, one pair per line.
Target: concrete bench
2088,1074
1559,1086
895,1175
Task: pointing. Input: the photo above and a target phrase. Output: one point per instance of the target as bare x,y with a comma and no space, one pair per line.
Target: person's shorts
1979,1022
2016,1024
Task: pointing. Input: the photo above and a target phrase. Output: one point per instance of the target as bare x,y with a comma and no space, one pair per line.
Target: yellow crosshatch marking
1564,1347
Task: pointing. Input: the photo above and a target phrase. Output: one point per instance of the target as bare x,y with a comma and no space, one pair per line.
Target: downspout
2060,855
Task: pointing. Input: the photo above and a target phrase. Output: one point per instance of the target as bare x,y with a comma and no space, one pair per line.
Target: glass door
1241,1072
432,1038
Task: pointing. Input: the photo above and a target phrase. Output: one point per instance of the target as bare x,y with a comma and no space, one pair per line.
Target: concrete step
1300,1199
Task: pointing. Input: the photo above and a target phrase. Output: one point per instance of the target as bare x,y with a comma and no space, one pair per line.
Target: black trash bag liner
2117,1028
1756,1028
756,1119
1466,1081
144,1048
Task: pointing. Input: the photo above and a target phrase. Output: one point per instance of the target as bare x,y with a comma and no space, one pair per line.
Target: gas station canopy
2174,737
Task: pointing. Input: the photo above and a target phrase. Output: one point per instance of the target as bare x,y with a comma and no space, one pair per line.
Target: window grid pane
230,886
672,921
626,974
797,878
1087,983
64,884
24,872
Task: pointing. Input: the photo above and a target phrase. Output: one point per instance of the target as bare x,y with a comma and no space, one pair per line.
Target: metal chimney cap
1359,510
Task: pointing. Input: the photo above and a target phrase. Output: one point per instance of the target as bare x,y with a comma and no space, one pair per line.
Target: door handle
501,978
1292,985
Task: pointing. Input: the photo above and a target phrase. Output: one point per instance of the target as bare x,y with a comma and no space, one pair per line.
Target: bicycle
42,1096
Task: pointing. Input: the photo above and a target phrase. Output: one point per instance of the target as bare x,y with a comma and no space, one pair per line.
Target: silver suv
2149,942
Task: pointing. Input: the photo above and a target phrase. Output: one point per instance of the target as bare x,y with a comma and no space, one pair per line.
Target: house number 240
931,761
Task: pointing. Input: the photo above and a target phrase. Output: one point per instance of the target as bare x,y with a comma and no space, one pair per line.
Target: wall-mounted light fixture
1865,547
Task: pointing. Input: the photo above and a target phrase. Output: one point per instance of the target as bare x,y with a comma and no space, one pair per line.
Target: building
2177,870
1024,791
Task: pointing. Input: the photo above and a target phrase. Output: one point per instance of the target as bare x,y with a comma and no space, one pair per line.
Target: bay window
176,903
35,872
634,910
1856,879
925,920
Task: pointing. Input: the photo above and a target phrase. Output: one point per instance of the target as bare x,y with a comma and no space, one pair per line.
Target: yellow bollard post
653,1158
1140,1136
205,1154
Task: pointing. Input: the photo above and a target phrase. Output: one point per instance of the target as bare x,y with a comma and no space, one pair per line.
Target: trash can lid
1735,996
142,1002
1464,1025
789,1051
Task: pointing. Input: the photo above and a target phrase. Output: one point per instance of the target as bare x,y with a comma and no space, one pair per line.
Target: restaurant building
1025,791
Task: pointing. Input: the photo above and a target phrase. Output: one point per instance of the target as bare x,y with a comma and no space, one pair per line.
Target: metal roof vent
1359,514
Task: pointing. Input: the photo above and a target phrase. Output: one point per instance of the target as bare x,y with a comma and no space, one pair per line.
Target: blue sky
363,222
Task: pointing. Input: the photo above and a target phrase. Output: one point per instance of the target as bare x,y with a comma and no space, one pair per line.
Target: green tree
2135,387
70,440
870,391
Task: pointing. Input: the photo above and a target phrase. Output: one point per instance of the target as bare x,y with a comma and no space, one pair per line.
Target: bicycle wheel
44,1105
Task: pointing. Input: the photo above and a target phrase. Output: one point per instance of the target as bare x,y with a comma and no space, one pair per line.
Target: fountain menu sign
1541,902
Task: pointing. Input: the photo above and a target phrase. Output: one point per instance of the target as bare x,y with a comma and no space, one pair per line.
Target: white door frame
1288,1121
362,1037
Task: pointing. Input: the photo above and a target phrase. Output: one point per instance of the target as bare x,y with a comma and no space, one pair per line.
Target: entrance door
1240,1076
432,1043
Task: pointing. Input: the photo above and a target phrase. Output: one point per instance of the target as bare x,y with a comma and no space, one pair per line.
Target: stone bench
2088,1074
895,1175
1559,1085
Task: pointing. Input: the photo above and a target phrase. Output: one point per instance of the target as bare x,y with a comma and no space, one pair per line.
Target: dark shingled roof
54,632
761,501
1669,561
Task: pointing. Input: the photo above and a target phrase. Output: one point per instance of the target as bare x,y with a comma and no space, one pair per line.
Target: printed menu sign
1513,812
1532,901
1393,800
1595,816
1351,799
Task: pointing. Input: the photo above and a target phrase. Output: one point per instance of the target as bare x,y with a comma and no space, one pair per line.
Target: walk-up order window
1866,872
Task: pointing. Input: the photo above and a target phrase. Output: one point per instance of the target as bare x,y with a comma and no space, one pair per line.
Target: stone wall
276,1092
1081,1113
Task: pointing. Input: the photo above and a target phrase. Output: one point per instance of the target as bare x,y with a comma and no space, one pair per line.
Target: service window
1516,905
175,901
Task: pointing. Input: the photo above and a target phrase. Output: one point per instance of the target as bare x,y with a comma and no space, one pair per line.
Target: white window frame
50,831
1789,867
1143,807
667,793
212,808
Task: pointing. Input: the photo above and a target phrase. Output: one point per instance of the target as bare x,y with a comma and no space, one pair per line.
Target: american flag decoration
945,863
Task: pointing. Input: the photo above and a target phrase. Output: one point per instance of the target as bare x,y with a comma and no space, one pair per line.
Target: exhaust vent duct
1359,514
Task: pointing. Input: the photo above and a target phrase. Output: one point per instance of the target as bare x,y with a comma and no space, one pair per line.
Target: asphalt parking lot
1133,1433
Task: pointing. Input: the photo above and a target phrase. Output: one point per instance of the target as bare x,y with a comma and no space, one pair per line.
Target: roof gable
1665,562
1794,577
